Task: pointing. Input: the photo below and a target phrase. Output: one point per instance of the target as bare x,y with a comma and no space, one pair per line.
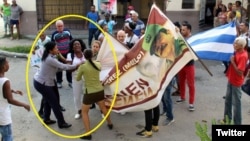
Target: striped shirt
62,40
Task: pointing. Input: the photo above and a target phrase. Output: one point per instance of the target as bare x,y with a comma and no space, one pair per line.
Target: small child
6,99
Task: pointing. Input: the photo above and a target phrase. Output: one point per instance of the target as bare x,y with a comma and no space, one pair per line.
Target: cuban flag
216,43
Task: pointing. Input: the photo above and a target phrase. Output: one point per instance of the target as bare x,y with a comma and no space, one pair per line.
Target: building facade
38,13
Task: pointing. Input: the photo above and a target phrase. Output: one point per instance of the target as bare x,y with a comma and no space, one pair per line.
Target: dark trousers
59,77
92,32
41,110
51,101
152,117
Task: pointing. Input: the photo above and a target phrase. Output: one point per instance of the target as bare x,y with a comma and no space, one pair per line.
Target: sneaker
155,128
59,85
77,116
180,100
191,107
102,115
70,85
168,122
145,133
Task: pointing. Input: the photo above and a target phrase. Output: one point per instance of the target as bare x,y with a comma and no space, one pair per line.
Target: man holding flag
187,73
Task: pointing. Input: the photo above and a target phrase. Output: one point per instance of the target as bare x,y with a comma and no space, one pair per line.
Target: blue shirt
94,17
139,26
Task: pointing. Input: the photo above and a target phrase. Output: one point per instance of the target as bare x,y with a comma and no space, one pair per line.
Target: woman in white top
131,39
75,56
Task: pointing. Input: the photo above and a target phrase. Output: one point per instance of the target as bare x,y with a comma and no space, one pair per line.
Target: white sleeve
69,57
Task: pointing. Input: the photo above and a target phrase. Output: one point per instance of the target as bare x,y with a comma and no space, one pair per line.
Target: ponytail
88,54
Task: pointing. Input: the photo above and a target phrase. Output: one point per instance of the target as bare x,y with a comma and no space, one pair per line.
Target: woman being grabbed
94,91
44,83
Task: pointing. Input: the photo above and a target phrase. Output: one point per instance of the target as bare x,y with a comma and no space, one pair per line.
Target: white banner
147,68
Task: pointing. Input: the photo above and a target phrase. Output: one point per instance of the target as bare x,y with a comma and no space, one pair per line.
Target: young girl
6,99
94,91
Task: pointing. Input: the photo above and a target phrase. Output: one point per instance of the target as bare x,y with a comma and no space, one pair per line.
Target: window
47,10
187,4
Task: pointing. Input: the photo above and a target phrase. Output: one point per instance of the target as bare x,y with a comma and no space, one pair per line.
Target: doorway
209,6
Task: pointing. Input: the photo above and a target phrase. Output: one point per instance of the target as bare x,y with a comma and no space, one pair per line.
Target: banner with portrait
146,69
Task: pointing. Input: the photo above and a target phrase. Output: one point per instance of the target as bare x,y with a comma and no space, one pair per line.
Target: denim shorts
6,132
14,22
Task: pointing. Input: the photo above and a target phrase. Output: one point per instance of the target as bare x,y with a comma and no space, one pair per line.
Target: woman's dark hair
88,54
71,44
48,47
132,25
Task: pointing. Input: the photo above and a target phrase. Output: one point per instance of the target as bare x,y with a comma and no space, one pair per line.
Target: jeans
50,101
92,32
167,101
233,103
6,132
6,20
152,117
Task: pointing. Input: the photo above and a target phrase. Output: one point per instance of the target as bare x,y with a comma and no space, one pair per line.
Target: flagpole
202,63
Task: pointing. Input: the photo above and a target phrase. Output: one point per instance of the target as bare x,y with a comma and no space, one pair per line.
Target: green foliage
202,130
17,49
226,121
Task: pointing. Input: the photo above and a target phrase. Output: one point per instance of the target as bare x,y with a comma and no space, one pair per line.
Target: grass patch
17,49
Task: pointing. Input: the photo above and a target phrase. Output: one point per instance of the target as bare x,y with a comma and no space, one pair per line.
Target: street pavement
209,105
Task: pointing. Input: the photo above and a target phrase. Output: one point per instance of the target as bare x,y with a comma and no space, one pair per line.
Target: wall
175,5
28,24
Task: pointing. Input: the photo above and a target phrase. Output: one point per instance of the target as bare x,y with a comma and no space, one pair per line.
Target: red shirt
240,59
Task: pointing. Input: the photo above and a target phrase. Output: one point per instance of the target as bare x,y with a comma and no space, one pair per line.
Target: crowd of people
62,52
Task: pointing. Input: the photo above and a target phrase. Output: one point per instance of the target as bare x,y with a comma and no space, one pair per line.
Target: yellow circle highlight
27,77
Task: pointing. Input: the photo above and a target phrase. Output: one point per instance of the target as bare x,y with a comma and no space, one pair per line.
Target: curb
13,54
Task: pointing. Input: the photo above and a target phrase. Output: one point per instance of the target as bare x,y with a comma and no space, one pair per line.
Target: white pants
78,87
